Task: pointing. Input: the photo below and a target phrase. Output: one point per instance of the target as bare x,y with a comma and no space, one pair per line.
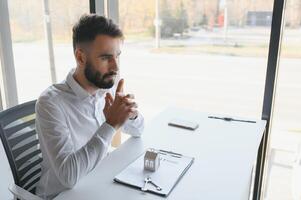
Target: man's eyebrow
108,54
105,55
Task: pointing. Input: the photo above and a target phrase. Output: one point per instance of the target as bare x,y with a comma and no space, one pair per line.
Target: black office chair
21,145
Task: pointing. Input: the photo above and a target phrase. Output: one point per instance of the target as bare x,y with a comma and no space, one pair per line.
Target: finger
107,103
120,86
131,110
110,98
133,113
134,116
127,100
132,104
119,97
130,96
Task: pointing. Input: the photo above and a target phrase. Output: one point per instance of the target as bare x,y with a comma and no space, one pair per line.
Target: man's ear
80,56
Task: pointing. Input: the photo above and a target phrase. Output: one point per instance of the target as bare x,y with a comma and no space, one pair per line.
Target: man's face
101,66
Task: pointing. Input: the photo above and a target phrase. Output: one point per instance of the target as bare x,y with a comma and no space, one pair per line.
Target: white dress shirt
73,134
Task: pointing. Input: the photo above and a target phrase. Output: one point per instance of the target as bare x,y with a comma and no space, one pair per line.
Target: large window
210,56
30,49
283,171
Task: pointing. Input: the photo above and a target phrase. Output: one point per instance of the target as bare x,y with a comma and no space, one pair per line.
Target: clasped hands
121,108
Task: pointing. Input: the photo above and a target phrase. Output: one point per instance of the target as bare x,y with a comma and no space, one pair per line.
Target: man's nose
114,63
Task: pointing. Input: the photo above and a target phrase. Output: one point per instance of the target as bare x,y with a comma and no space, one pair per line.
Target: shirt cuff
106,131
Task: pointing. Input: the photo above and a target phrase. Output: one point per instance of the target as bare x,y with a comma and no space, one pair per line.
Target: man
76,119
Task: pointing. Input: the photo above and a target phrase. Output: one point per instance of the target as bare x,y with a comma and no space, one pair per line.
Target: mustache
110,74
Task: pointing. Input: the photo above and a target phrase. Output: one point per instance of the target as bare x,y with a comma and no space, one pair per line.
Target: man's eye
105,58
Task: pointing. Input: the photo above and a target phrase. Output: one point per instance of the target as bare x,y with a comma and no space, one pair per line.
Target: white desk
224,155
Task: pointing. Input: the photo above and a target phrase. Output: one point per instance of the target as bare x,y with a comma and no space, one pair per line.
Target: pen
170,152
228,119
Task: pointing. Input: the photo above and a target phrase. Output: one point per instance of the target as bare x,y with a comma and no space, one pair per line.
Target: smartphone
180,123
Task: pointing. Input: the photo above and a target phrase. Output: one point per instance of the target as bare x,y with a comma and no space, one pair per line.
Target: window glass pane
63,16
29,48
212,55
283,172
31,53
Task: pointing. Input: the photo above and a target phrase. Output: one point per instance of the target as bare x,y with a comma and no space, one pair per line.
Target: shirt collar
78,90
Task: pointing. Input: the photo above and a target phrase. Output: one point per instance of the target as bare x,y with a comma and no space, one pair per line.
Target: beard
96,78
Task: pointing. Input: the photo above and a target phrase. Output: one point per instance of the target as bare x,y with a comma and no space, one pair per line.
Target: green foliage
173,23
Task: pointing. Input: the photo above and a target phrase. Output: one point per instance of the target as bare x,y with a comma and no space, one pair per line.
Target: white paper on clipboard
172,168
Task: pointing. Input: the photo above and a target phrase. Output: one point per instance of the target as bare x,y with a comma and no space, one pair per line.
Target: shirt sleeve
68,164
134,127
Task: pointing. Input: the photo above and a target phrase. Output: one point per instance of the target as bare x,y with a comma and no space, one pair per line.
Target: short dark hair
91,25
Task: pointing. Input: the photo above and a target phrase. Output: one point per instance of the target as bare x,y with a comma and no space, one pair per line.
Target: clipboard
172,168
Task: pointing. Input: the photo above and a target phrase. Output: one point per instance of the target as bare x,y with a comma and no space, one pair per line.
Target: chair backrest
21,144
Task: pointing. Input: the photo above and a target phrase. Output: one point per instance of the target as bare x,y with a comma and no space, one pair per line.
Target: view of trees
137,16
27,18
173,23
178,15
175,15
